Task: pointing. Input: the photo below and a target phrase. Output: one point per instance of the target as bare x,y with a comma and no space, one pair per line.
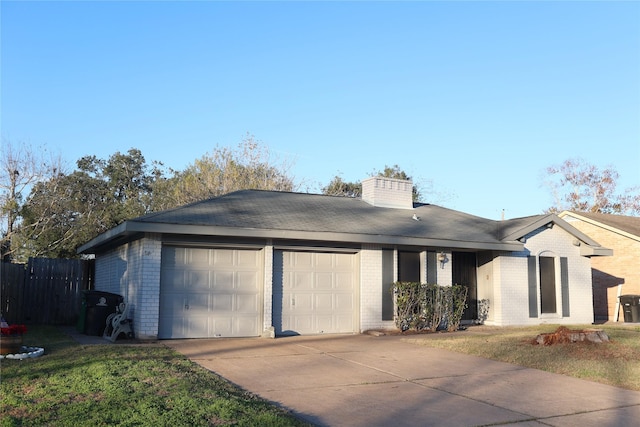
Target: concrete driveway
365,380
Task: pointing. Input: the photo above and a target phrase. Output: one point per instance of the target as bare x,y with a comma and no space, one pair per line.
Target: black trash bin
630,308
97,306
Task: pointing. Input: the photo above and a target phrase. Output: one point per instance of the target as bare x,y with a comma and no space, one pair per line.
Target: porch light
442,257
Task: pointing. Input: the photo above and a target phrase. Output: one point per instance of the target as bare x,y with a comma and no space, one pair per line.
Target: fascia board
556,220
529,228
589,251
104,238
205,230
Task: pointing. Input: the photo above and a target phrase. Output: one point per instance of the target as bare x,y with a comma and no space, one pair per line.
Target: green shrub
430,307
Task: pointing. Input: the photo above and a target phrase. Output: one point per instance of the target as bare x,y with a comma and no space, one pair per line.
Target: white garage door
315,292
208,292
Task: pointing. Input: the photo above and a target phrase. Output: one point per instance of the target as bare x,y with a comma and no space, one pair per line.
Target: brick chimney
388,192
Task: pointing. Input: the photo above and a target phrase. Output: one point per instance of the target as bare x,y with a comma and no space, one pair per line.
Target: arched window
548,290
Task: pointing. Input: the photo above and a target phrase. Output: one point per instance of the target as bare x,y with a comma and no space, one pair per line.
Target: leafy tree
66,211
579,186
338,187
224,170
396,173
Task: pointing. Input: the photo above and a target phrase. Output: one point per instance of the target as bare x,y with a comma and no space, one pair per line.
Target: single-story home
617,275
265,263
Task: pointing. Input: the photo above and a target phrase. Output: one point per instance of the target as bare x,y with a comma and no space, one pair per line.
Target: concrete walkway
364,380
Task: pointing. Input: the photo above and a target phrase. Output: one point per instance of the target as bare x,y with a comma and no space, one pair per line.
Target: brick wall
610,271
370,287
388,192
511,299
267,320
133,271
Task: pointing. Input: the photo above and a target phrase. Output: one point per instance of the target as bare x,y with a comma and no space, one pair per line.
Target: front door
464,266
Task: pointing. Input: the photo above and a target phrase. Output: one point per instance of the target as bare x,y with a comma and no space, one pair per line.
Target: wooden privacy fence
44,291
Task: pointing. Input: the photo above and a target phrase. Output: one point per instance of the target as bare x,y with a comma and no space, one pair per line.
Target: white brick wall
388,192
444,273
147,304
268,287
371,289
133,271
511,296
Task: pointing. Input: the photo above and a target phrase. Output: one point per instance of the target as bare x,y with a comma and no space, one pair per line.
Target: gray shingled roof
318,213
270,214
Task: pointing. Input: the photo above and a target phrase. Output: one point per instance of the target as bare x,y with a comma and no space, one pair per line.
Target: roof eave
206,230
104,238
589,251
555,220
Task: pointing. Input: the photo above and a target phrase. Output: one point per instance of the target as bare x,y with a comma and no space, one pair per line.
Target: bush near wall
431,307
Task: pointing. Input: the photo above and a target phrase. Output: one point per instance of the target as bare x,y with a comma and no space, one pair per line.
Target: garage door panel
344,302
172,304
301,280
249,259
323,281
246,303
247,281
301,323
196,280
204,292
323,302
301,302
325,323
177,278
222,281
197,304
343,281
345,261
301,260
222,257
197,326
221,326
186,328
245,325
197,257
315,292
221,303
324,260
344,323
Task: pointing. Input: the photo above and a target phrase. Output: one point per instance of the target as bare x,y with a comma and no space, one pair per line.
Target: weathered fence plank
50,290
12,278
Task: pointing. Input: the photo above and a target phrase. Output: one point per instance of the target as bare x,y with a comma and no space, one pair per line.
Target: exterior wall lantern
442,257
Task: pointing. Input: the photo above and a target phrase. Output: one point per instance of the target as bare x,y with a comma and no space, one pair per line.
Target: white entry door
315,292
210,292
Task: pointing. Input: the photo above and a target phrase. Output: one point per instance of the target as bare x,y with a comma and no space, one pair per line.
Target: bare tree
580,186
224,170
21,167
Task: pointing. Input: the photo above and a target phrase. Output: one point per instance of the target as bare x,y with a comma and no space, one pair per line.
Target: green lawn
128,385
615,363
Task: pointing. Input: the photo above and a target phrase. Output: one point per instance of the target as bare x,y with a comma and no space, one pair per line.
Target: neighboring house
253,263
616,275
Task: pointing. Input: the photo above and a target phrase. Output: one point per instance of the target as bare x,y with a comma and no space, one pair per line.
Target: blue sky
472,99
